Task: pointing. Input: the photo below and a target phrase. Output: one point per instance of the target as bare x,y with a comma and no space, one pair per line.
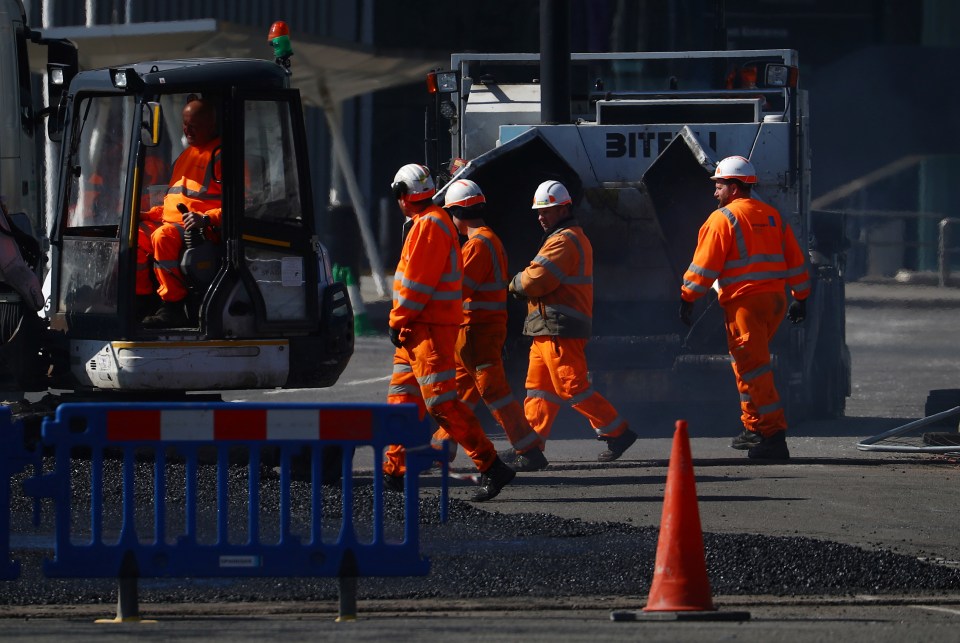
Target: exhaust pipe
554,62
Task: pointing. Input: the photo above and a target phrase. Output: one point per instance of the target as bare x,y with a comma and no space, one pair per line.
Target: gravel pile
478,553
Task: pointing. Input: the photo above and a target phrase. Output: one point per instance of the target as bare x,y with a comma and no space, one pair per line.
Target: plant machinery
636,141
264,310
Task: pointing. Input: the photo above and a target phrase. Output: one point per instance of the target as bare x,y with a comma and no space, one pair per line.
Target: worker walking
194,185
558,285
747,247
480,372
424,321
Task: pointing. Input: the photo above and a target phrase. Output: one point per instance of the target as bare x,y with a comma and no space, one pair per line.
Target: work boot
143,304
616,446
493,480
773,447
532,460
393,483
171,314
508,455
745,440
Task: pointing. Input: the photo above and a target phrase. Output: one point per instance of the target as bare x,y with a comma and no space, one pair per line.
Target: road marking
938,609
372,380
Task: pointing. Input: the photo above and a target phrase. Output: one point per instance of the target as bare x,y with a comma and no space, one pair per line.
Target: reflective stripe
502,402
703,272
553,398
435,378
409,303
740,263
737,232
580,397
753,276
402,368
553,268
755,373
800,287
517,283
769,408
440,399
415,286
799,270
404,389
497,274
484,305
604,430
470,405
695,287
745,397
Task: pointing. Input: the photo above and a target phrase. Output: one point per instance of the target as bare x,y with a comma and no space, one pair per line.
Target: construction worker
751,252
194,184
424,321
558,285
480,373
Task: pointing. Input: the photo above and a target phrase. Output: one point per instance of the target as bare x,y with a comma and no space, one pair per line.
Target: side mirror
150,124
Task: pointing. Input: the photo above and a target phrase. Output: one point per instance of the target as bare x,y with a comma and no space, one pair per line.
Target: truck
636,141
264,309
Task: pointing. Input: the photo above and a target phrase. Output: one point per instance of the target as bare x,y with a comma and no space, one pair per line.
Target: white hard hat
414,181
549,194
735,167
463,193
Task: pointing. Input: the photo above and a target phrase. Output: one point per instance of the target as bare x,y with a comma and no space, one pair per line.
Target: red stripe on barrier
230,424
133,425
346,424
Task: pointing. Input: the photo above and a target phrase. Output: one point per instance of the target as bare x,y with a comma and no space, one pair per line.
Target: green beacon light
279,37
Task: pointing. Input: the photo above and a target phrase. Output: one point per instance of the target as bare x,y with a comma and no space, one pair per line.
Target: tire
942,400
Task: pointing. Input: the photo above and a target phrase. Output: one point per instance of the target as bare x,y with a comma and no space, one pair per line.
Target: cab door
276,239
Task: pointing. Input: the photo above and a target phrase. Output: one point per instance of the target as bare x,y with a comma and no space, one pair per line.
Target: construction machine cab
264,289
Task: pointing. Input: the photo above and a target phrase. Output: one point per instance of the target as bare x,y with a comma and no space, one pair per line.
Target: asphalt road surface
903,341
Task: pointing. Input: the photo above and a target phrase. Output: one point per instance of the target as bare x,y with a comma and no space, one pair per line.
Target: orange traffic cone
680,588
680,572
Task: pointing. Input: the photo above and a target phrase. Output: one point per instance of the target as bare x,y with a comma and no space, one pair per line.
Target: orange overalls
559,286
480,373
427,310
752,253
161,227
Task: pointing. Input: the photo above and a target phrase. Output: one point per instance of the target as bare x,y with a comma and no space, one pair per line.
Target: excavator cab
263,308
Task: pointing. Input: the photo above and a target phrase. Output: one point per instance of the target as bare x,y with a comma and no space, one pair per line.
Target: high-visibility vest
193,183
558,284
484,278
747,248
426,285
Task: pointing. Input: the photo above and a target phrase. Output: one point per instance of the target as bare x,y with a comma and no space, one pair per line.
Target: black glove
686,312
395,337
516,294
797,311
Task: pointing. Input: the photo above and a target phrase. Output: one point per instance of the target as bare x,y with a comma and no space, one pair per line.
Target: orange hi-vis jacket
192,183
484,279
426,286
747,248
558,284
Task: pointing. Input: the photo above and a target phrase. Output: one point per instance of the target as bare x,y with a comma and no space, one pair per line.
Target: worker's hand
797,311
686,312
395,337
516,294
193,220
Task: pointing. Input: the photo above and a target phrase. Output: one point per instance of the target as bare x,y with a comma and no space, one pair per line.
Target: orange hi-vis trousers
480,376
164,241
557,375
424,373
751,322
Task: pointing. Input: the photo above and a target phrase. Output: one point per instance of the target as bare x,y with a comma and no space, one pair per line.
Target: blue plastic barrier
158,435
13,457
